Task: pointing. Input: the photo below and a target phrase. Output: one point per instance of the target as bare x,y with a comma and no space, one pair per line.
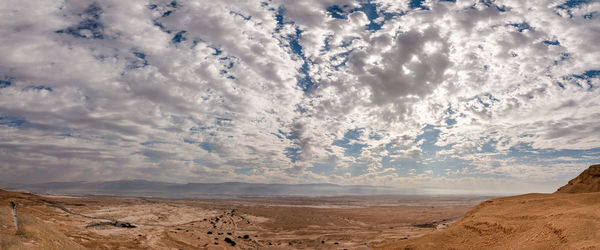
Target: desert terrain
104,222
566,219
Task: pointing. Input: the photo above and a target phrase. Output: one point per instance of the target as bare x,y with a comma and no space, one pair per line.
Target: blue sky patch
521,26
4,83
429,136
204,145
573,3
280,18
90,27
590,15
304,80
38,88
570,4
370,9
336,12
11,121
326,43
351,148
179,37
292,153
220,121
418,4
555,42
344,56
526,154
139,61
585,77
246,18
450,122
373,13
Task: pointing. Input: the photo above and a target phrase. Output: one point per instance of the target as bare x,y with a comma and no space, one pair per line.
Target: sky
439,96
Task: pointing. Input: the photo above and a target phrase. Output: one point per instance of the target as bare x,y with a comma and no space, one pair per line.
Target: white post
14,206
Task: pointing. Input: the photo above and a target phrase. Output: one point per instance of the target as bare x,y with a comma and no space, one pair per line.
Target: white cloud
183,91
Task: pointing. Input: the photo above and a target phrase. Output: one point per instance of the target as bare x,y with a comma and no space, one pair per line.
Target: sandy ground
531,221
252,223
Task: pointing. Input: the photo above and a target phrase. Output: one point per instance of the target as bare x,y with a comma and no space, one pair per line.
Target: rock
587,182
230,241
114,223
123,224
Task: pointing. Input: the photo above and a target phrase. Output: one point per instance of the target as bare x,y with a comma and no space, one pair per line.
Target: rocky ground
59,222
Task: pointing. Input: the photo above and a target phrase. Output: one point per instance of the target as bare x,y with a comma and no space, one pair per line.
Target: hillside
33,233
568,219
588,181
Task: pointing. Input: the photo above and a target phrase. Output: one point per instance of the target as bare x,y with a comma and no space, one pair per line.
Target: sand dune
567,219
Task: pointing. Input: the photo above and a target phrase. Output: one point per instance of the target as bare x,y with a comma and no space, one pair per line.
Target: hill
33,233
588,181
567,219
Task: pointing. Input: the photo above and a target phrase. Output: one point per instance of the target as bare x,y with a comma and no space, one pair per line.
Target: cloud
379,92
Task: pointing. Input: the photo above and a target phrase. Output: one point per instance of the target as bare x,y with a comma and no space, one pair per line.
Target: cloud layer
494,96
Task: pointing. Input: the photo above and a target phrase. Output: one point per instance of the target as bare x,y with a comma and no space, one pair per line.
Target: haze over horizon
488,96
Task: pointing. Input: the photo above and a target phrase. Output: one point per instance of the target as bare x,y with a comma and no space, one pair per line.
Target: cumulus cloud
412,94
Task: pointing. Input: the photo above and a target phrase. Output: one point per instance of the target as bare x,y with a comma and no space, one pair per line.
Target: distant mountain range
143,188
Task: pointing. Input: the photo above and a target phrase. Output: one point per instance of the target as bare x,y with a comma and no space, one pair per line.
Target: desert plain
566,219
105,222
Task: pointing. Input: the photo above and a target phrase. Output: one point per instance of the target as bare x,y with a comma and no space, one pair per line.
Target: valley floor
357,222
